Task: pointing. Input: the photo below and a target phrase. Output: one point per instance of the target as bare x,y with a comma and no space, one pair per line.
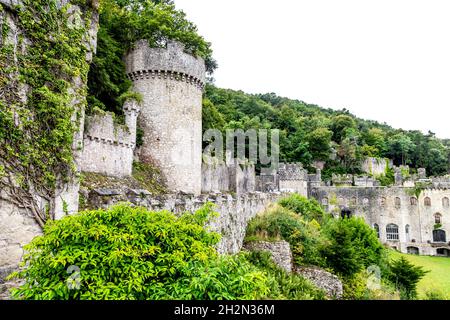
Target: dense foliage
406,276
347,247
122,23
309,132
39,100
353,246
132,253
304,236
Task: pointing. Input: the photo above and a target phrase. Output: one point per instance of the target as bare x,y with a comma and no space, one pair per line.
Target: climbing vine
43,72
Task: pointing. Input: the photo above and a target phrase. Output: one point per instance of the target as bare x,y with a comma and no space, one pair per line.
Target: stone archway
443,252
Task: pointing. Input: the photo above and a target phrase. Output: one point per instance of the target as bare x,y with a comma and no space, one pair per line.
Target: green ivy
37,131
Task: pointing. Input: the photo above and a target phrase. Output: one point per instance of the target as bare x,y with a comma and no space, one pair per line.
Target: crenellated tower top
172,62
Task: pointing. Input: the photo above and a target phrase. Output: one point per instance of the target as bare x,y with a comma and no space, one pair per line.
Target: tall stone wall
415,217
293,178
171,84
108,146
376,166
17,225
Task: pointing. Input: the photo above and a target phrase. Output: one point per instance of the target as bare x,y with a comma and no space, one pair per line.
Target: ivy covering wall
43,72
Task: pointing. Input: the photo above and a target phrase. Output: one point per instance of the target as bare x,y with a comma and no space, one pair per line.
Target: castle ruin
170,115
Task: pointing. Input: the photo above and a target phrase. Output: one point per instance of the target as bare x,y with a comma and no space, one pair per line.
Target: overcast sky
385,60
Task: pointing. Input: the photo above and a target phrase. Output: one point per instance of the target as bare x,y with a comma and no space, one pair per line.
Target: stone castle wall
382,206
233,177
108,146
235,210
171,84
18,226
376,166
293,178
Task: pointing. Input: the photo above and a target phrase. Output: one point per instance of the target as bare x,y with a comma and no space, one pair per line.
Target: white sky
385,60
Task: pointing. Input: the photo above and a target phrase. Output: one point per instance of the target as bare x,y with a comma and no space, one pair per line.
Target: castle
412,216
171,83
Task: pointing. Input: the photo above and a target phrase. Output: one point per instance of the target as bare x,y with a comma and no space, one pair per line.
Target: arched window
445,202
438,218
439,236
383,201
427,202
353,202
366,201
376,227
407,229
341,201
392,232
398,202
413,201
325,201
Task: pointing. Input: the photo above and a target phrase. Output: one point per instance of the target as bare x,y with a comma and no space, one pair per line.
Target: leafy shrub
352,246
435,295
133,253
224,277
280,223
309,209
283,285
405,276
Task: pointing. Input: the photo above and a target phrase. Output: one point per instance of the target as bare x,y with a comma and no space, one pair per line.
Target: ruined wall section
171,83
108,146
293,178
376,166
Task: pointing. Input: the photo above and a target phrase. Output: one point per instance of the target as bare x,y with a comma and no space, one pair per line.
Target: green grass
437,280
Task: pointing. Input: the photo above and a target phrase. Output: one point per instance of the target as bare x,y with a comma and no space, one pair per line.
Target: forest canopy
309,132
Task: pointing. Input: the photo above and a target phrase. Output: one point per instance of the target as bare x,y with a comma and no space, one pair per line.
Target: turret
171,84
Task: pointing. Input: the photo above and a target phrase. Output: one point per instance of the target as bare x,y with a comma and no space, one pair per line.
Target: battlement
108,146
292,171
143,62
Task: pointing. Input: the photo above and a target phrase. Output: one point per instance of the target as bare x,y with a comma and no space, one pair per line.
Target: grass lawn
438,279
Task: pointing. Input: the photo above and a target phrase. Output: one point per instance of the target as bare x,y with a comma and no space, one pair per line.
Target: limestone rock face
279,250
322,279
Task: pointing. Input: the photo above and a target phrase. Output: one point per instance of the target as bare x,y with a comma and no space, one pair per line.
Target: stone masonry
280,252
171,84
108,146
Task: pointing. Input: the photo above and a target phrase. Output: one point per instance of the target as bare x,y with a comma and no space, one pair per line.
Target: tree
320,143
353,246
376,139
400,147
406,276
339,126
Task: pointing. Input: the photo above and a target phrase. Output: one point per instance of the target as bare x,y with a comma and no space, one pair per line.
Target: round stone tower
171,83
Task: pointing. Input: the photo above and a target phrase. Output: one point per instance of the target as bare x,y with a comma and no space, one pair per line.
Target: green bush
353,245
405,276
283,285
309,209
133,253
280,223
435,295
